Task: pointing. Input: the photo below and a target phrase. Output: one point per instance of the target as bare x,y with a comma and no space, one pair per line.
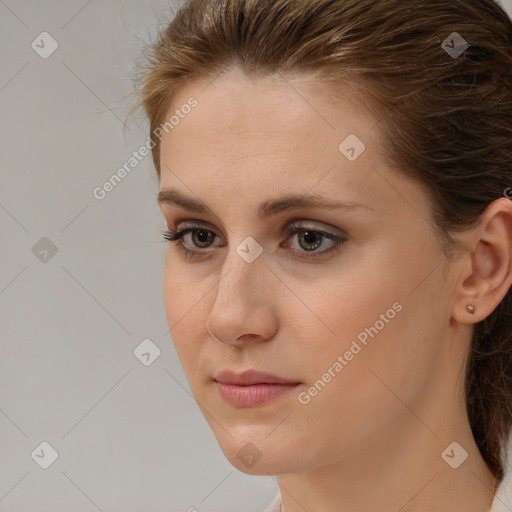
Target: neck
401,470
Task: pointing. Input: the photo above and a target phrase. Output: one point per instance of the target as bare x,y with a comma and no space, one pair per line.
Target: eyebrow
269,208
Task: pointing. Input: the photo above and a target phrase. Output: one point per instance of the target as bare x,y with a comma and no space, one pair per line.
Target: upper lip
249,377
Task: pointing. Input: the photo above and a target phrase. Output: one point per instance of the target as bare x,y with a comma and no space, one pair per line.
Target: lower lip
254,394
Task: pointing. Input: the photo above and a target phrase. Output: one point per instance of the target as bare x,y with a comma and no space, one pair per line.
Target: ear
486,269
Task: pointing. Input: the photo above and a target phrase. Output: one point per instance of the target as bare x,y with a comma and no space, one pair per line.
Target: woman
335,178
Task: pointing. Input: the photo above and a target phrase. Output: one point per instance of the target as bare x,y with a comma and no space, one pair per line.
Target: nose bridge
242,271
241,302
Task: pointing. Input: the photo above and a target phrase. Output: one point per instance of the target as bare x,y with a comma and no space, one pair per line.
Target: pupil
310,238
203,236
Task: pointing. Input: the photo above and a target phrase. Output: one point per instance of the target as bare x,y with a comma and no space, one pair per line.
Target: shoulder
503,500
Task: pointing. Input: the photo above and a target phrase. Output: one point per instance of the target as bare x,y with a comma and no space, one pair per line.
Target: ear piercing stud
470,309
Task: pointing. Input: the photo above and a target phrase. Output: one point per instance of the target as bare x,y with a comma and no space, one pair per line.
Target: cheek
182,292
370,387
377,327
184,304
342,313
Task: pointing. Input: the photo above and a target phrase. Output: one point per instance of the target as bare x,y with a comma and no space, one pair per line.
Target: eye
202,236
309,239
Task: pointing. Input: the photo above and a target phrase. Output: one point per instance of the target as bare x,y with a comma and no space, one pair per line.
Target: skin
384,420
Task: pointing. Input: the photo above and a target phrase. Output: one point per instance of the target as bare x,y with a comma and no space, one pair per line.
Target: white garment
502,500
275,504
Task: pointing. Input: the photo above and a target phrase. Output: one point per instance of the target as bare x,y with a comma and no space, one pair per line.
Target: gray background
129,436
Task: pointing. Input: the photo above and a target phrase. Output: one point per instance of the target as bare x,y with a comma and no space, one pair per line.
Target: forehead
267,123
250,140
236,105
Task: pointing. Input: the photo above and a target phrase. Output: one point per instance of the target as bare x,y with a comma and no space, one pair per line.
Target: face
350,304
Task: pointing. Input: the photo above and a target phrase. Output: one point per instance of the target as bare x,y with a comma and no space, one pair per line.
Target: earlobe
490,273
466,313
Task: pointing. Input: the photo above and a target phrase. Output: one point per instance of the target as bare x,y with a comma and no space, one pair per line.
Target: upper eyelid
296,223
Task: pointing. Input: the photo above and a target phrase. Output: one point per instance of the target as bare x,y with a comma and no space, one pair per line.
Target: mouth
252,388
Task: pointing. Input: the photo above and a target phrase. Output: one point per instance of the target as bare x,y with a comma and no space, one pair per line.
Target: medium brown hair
445,119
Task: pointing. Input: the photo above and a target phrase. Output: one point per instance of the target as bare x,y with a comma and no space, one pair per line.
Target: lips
250,377
252,387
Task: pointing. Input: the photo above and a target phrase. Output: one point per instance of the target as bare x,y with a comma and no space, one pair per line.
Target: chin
254,453
249,441
250,460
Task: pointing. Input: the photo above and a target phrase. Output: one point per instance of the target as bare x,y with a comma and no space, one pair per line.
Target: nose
244,306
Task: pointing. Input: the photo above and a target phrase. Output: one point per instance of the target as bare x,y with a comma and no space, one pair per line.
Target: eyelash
292,229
